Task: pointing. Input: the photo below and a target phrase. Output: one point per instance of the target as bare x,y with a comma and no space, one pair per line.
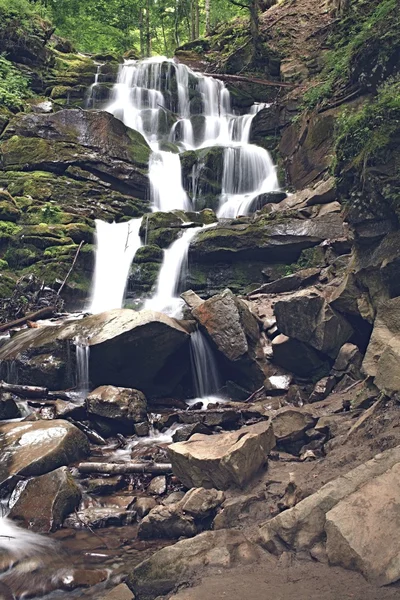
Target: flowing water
82,351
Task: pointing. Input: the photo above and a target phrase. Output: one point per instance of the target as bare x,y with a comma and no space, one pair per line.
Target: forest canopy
149,26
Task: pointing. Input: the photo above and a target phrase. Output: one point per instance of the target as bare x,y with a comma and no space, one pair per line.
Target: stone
322,389
42,503
102,486
191,299
142,429
383,352
289,283
186,431
158,485
71,579
232,459
124,406
173,498
121,592
120,342
200,502
290,424
298,357
8,408
234,331
235,509
144,505
176,564
34,448
307,317
166,522
277,384
361,532
303,526
349,361
98,517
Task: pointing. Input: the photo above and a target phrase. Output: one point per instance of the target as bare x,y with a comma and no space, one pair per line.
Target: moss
9,210
3,265
18,258
7,285
149,253
60,251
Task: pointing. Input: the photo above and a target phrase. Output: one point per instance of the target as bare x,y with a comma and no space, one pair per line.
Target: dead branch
70,271
225,77
24,391
124,468
48,311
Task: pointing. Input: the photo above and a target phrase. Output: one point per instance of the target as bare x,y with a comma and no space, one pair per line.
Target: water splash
82,351
204,367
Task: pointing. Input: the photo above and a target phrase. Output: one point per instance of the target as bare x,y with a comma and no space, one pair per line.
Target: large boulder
234,332
361,532
91,140
143,350
383,353
37,447
225,460
43,502
303,526
123,406
298,357
306,316
176,564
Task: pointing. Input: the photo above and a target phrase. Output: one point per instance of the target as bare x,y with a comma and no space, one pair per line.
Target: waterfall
82,351
167,194
173,271
19,543
204,368
116,246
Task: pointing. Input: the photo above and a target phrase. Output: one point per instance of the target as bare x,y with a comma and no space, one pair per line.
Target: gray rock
99,517
192,299
8,408
166,522
124,406
200,502
42,503
34,448
298,357
232,459
158,485
121,592
144,505
290,424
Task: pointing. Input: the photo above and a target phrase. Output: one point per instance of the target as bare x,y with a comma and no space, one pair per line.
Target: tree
253,6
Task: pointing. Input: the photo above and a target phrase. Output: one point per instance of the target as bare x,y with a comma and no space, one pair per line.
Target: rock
173,498
220,417
192,299
8,408
231,460
360,529
200,502
144,505
277,384
121,592
35,448
322,389
298,357
303,526
103,486
158,485
142,429
293,70
166,522
289,283
92,140
290,424
99,517
349,361
123,406
383,352
234,331
306,316
120,342
175,564
42,503
186,431
77,578
235,509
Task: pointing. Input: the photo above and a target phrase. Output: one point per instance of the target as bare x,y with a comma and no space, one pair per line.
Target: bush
14,87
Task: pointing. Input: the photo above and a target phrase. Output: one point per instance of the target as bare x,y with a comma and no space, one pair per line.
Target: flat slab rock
225,460
37,447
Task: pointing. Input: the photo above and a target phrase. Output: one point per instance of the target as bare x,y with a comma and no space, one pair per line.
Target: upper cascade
176,110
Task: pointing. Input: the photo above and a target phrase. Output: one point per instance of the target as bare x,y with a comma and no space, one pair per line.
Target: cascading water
116,246
82,351
207,382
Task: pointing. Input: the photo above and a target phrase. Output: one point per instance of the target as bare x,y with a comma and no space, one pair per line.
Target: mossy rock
79,232
7,285
149,253
9,210
68,92
20,257
143,276
8,231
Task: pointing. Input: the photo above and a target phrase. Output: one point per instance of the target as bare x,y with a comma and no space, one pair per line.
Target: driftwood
24,391
70,270
254,394
226,77
124,468
48,311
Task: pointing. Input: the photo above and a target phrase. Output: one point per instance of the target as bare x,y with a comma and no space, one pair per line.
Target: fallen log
42,313
92,435
24,391
124,468
226,77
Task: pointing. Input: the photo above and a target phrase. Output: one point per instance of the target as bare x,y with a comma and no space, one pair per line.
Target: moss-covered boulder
9,210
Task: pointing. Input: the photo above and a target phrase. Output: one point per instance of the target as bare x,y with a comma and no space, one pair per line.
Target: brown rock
124,406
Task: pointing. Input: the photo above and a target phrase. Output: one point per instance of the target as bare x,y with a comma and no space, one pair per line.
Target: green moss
3,265
149,253
7,285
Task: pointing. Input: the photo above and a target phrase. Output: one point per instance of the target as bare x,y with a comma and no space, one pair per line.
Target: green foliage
51,213
14,87
369,24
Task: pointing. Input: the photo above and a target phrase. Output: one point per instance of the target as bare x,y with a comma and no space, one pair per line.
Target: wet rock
8,408
231,460
303,526
82,578
290,424
175,564
142,429
222,417
234,331
103,485
158,485
35,448
307,317
99,517
42,503
298,357
120,343
144,505
360,529
186,431
123,406
121,592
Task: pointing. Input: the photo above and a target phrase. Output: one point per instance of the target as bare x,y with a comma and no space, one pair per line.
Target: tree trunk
193,20
254,8
141,32
148,37
197,20
207,7
164,38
